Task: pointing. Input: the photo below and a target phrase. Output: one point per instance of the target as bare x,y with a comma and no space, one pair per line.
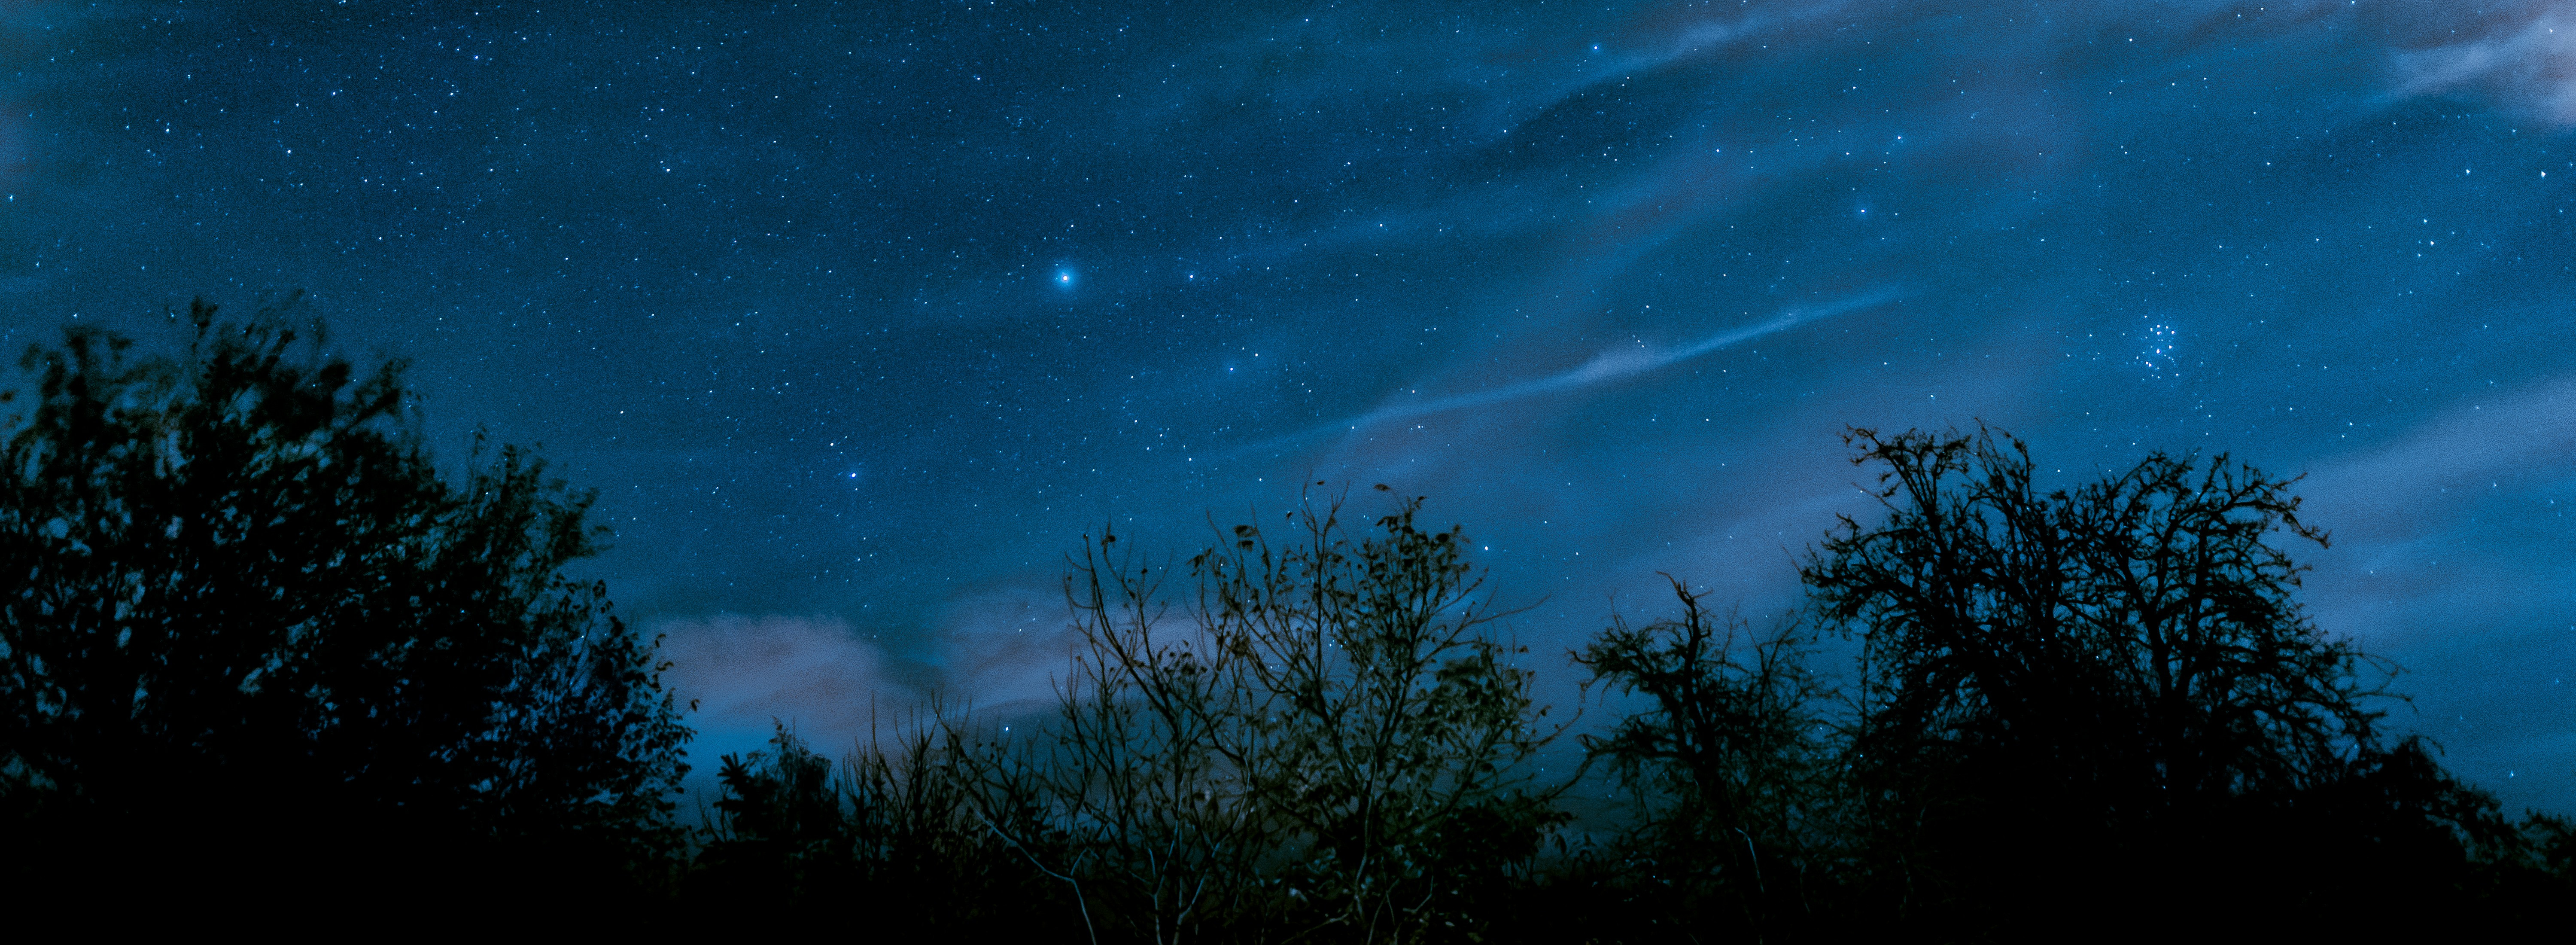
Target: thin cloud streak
1608,366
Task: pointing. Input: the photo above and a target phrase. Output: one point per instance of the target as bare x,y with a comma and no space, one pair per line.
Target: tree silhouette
1731,762
2106,695
242,617
252,644
2097,698
1328,746
888,834
781,826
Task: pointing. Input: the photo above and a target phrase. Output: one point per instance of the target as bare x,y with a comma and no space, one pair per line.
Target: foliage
235,595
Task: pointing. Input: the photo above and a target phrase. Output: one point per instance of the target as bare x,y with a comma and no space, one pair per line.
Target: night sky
859,315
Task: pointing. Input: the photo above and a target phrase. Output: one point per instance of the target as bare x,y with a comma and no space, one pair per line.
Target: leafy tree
1380,719
241,614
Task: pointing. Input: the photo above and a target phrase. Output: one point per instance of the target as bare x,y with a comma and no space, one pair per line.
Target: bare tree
2082,669
1731,762
1327,745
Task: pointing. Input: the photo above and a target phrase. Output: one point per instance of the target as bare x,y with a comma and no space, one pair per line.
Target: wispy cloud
1607,366
2529,68
999,650
813,674
2420,524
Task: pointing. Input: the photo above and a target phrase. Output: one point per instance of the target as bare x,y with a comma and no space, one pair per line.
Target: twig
1078,903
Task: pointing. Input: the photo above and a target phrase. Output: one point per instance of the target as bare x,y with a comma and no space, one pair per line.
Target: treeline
254,648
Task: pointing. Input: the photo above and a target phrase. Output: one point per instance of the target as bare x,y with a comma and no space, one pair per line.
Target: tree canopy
239,603
2131,640
2107,694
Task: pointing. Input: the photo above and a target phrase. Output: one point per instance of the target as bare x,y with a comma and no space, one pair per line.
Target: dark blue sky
858,315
